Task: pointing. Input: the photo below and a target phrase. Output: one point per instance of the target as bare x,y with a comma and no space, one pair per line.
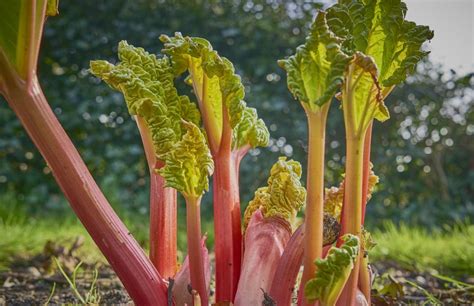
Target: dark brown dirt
27,286
30,282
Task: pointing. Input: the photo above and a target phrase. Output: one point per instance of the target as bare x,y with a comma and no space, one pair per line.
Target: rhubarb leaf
147,84
250,131
315,72
189,163
333,272
283,196
216,85
21,27
379,29
385,47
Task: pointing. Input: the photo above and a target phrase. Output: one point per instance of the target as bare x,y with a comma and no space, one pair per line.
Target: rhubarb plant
232,128
178,143
315,73
147,84
384,48
268,222
356,51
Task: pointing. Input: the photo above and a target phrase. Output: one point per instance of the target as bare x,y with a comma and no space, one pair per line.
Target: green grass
449,251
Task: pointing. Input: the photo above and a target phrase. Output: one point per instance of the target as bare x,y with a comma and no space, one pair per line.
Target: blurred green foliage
424,154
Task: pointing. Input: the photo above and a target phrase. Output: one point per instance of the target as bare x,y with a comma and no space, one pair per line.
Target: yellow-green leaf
217,88
189,163
283,196
315,72
333,272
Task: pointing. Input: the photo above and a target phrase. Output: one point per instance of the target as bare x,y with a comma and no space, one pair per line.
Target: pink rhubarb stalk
265,241
163,211
196,258
180,289
227,227
284,281
140,278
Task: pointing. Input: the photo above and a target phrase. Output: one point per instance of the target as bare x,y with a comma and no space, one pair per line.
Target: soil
30,281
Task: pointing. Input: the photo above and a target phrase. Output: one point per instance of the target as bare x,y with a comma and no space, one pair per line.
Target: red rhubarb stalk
196,263
180,289
284,280
140,278
226,195
163,211
265,240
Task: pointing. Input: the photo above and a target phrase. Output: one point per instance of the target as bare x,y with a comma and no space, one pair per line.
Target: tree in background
432,112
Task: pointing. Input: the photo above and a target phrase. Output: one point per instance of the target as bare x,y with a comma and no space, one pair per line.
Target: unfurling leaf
283,196
189,163
216,85
333,272
316,71
250,131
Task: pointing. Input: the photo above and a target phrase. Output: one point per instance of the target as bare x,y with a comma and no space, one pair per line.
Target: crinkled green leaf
315,72
189,164
147,84
250,131
333,272
215,84
378,29
283,196
19,39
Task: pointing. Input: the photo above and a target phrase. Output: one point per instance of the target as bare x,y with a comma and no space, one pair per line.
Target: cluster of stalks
356,51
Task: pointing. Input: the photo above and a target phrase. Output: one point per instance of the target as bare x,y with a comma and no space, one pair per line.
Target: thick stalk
314,214
163,211
137,273
225,196
352,217
163,226
284,280
196,263
265,241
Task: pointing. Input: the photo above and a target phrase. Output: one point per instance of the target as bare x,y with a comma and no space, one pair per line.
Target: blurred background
424,155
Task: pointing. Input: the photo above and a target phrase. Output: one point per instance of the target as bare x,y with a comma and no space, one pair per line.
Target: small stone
33,271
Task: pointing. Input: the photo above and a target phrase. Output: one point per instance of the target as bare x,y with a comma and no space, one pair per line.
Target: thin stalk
365,283
137,273
196,263
364,272
314,214
163,211
352,216
366,169
226,195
